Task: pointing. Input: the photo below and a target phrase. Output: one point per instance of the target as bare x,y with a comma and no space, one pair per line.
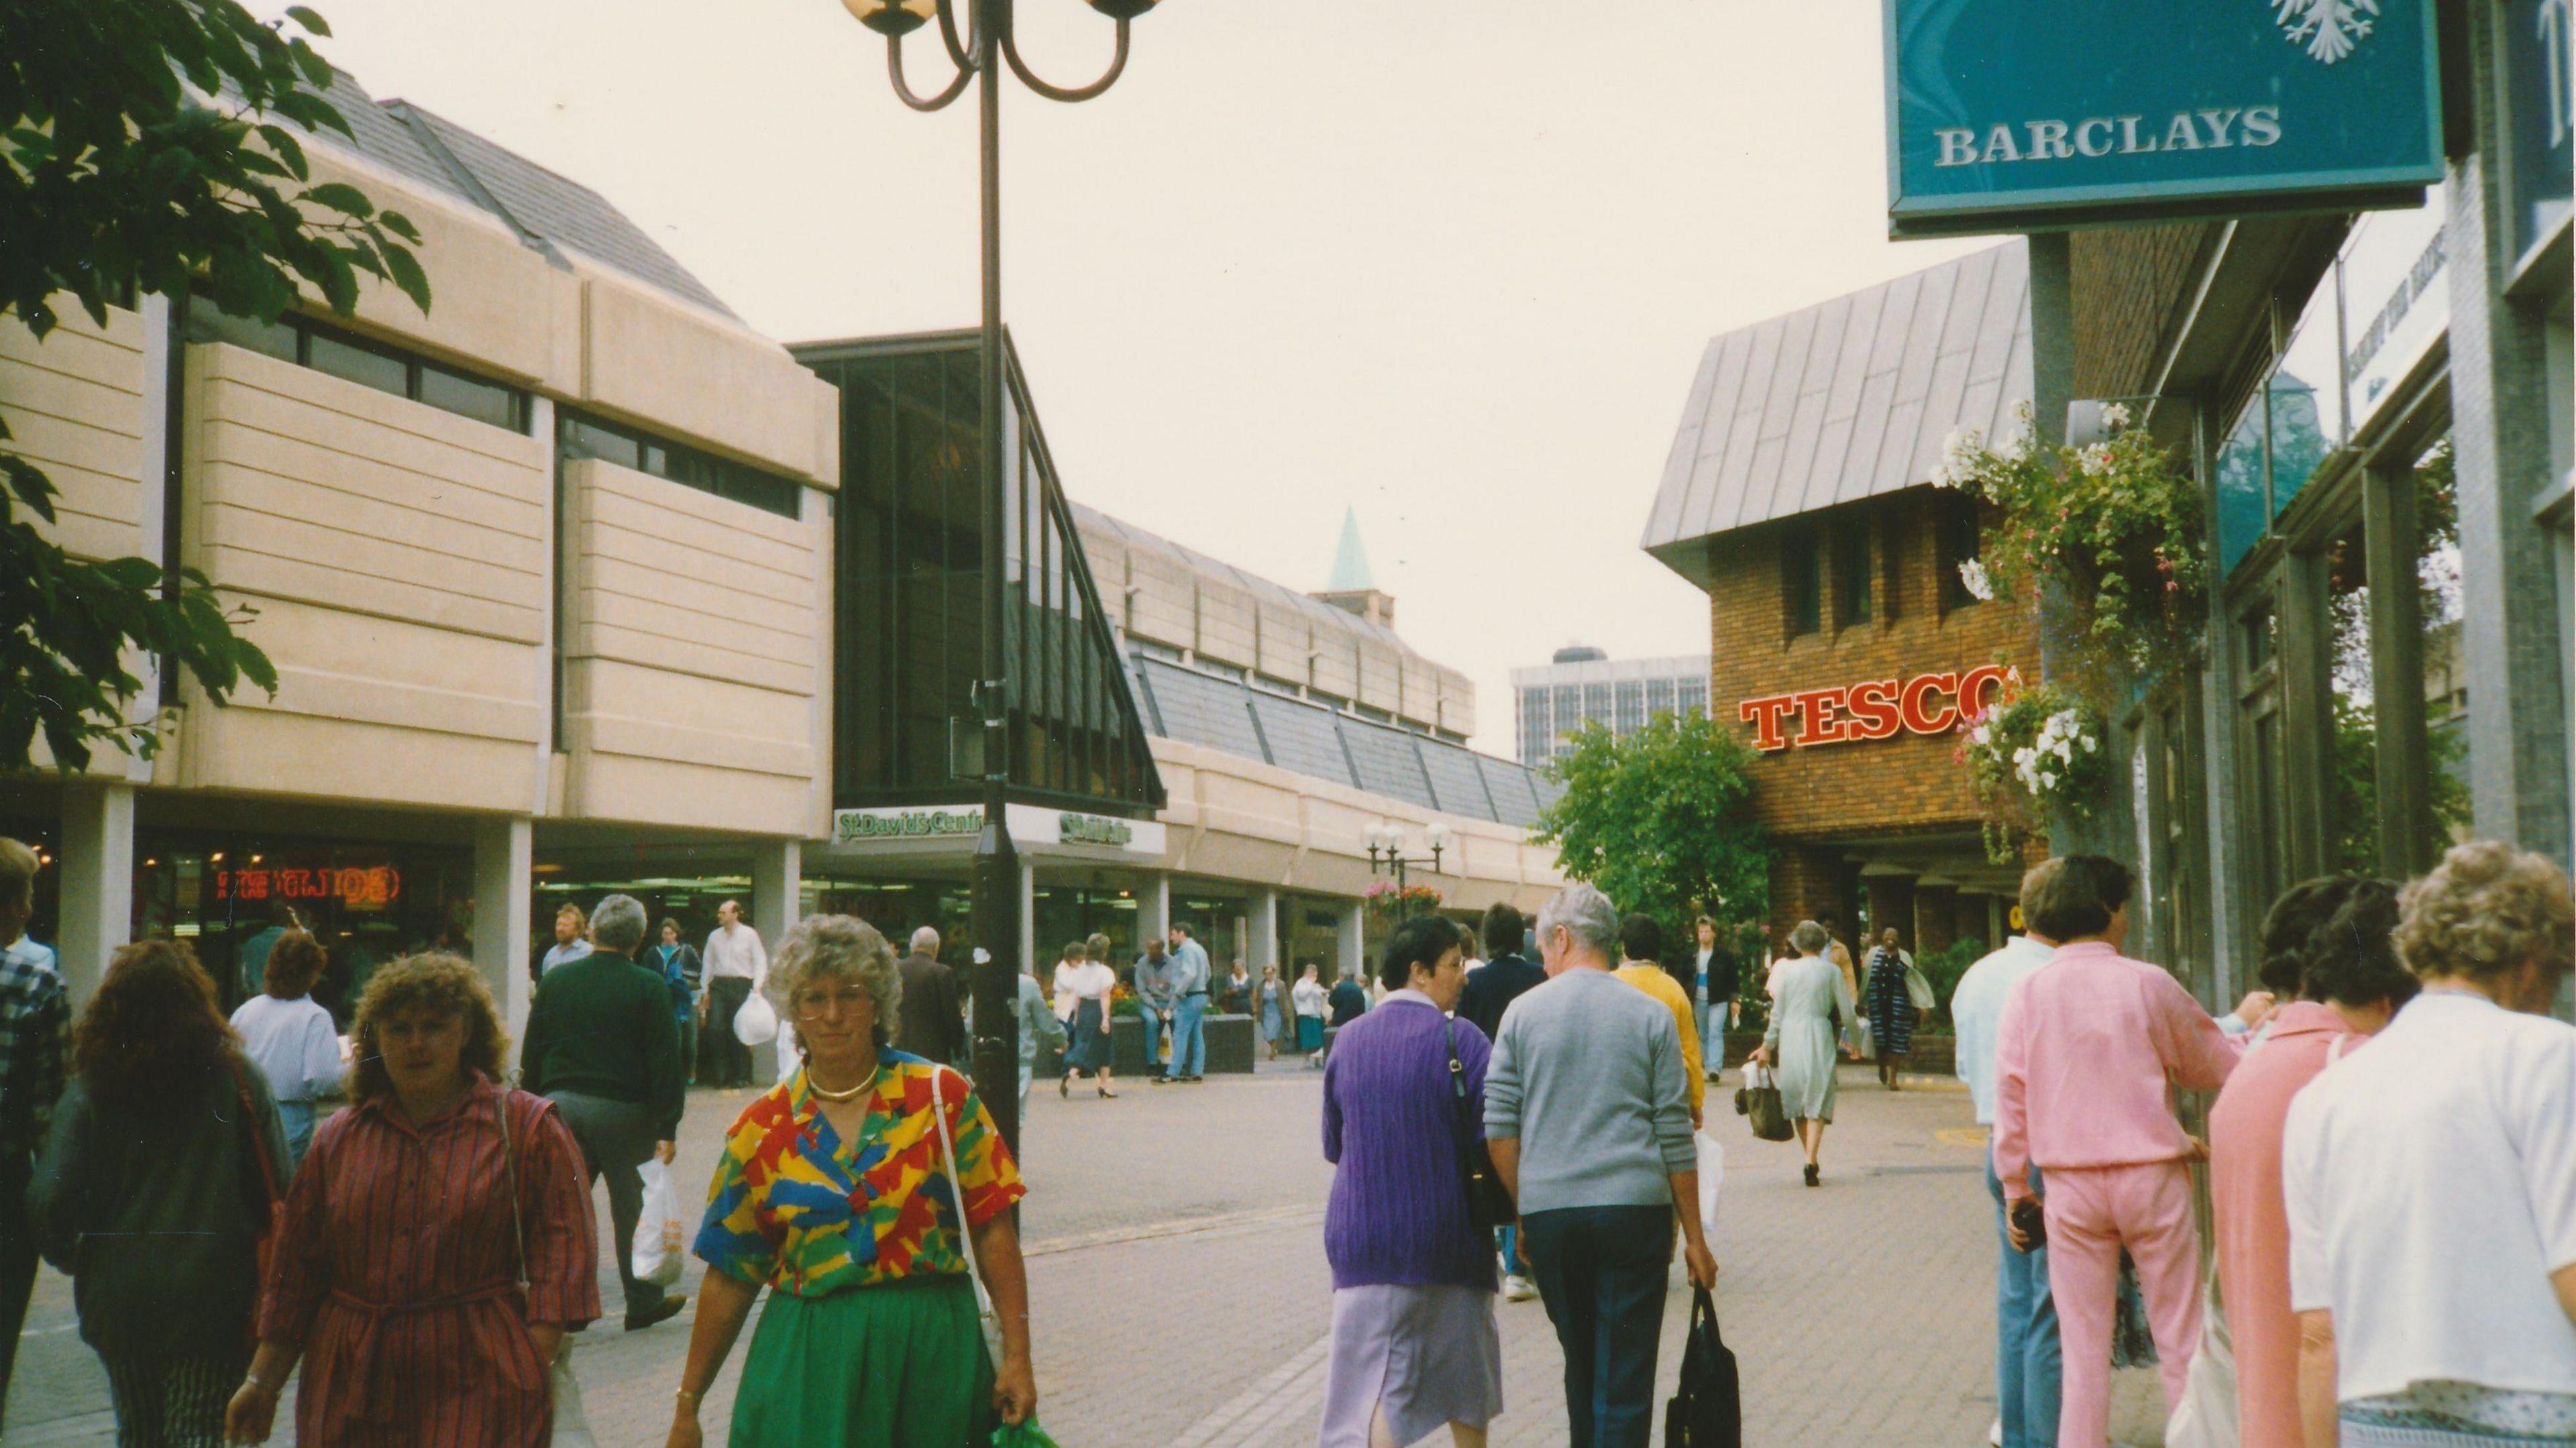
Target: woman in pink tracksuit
2088,1053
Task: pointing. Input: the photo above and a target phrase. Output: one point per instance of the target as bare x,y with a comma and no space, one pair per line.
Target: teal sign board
2033,115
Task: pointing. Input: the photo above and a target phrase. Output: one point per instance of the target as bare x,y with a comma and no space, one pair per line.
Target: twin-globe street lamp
986,47
1386,852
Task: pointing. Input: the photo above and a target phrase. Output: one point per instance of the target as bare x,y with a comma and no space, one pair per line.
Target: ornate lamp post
987,46
1386,853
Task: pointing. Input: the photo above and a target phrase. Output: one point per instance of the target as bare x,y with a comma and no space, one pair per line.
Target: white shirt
1307,996
1977,1009
2431,1187
734,951
293,1043
563,953
1092,980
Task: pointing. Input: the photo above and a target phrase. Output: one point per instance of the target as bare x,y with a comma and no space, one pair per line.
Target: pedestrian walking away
2088,1052
1490,990
2430,1181
1414,1346
290,1038
1307,999
1041,1034
425,1319
1083,986
735,964
1588,1124
35,1051
835,1192
932,1022
1188,980
1641,953
684,970
1890,1006
601,1046
155,1186
2344,968
1798,1044
2027,1353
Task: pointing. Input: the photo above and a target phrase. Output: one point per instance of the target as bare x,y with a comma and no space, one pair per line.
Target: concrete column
777,888
1262,948
504,851
97,880
1154,907
1351,956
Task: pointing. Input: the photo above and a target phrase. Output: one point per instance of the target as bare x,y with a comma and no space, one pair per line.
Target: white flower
1981,734
2048,779
2091,743
2017,448
1972,577
2094,460
2115,416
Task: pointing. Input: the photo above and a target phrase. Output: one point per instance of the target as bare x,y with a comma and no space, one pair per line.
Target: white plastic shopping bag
757,1021
1712,1179
659,1227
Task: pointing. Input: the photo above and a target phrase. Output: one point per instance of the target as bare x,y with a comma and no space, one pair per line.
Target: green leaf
400,225
408,275
303,15
340,196
288,149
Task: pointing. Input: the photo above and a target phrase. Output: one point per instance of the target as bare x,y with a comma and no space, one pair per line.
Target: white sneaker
1519,1289
1995,1434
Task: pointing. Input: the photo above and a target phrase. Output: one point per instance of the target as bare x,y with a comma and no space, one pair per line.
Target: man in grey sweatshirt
1588,1120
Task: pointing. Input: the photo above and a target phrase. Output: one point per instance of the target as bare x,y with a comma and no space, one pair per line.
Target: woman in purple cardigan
1414,1344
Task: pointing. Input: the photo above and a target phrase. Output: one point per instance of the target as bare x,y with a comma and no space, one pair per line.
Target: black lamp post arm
1117,64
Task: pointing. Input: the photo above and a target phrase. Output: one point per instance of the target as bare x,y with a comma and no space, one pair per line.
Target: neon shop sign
1877,708
371,888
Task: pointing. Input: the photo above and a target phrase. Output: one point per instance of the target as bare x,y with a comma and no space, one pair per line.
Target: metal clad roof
1844,400
1301,738
1455,779
1198,709
1387,762
1515,797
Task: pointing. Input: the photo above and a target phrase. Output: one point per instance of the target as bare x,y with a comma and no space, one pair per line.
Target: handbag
270,1219
1488,1205
1919,990
563,1390
1707,1406
987,1321
2206,1416
1759,1102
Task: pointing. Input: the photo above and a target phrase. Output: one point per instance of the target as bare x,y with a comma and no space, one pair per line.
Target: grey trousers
615,1137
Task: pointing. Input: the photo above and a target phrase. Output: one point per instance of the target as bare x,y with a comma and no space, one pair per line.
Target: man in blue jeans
1187,980
2027,1354
1587,1116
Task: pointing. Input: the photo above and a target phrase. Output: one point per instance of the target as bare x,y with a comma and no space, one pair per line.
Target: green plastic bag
1026,1435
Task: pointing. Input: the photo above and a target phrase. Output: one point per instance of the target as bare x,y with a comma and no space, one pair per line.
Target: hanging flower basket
2107,538
1386,903
2030,757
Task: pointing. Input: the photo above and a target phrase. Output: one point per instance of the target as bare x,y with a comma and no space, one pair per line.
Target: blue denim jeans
296,1118
1508,1241
1151,1018
2027,1356
1189,1036
1601,1272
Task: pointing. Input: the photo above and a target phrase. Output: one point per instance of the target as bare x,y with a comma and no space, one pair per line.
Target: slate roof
1845,400
535,202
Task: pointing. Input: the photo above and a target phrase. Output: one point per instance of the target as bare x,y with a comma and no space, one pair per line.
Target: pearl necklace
852,1094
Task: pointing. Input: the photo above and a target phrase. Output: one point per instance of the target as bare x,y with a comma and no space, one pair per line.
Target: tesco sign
1877,708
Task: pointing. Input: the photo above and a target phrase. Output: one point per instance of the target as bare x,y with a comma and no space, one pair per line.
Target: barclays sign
2033,115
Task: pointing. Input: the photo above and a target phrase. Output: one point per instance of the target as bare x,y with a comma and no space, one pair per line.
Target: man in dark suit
934,1024
1491,988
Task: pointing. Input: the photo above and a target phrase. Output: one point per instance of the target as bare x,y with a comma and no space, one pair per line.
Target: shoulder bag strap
956,1192
250,1123
510,1170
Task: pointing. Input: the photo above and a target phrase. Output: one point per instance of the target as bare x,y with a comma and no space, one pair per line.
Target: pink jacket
2087,1055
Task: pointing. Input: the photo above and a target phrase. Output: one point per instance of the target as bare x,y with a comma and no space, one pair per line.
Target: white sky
1451,262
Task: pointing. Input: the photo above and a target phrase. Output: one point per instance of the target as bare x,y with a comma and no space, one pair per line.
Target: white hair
925,941
618,924
1587,915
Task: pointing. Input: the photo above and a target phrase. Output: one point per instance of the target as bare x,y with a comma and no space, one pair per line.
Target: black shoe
1064,1087
669,1307
1814,1175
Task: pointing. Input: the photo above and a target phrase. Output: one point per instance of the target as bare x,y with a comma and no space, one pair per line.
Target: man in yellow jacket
1641,946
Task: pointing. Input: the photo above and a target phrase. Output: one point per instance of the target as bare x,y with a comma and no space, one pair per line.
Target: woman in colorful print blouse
831,1191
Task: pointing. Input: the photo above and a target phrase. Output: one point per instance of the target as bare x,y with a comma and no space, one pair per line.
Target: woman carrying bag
1800,1039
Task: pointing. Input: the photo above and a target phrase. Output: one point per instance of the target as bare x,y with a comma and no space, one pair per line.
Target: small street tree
1659,822
149,147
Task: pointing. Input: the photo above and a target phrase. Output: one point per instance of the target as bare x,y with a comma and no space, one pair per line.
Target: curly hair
2301,911
2484,912
2352,956
1809,938
838,947
294,963
432,981
153,1029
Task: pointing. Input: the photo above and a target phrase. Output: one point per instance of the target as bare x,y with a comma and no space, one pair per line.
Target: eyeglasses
814,1005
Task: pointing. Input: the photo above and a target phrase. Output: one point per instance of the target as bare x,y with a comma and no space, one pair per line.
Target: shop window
365,361
1851,575
356,362
1960,544
1891,552
1802,583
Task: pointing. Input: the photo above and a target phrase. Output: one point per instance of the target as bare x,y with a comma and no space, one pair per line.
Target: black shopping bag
1760,1104
1706,1410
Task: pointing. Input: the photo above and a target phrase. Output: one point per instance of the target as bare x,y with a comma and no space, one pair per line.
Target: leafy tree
1659,822
149,146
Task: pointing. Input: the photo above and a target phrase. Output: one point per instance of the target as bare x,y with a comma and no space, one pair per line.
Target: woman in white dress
1082,989
1799,1044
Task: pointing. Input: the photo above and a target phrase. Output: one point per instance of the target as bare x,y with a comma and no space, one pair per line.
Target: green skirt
899,1365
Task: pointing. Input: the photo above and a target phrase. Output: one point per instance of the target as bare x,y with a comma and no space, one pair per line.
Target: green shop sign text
851,825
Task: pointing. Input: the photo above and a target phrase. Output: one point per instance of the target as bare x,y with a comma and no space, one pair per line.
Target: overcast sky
1450,262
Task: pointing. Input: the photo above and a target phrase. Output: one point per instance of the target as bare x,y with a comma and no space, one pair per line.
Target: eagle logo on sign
2328,29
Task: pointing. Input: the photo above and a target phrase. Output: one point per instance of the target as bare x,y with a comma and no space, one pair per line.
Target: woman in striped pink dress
401,1275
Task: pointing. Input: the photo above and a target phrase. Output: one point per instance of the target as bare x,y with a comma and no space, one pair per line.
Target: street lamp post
1386,853
989,45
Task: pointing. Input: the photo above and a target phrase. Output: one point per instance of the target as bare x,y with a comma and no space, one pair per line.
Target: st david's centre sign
2037,115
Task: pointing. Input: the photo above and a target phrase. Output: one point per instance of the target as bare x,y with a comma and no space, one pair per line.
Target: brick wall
2128,284
1904,783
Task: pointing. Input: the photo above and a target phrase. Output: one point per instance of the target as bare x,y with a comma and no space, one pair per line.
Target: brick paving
1181,1295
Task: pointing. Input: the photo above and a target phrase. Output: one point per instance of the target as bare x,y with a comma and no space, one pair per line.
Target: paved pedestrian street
1181,1295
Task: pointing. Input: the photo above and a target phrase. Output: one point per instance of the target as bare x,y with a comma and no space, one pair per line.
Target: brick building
1842,636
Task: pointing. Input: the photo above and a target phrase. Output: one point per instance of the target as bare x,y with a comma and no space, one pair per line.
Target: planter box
1230,1041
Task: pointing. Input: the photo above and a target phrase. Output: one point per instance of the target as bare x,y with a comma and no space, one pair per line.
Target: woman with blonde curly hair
153,1190
2431,1181
835,1192
437,1242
